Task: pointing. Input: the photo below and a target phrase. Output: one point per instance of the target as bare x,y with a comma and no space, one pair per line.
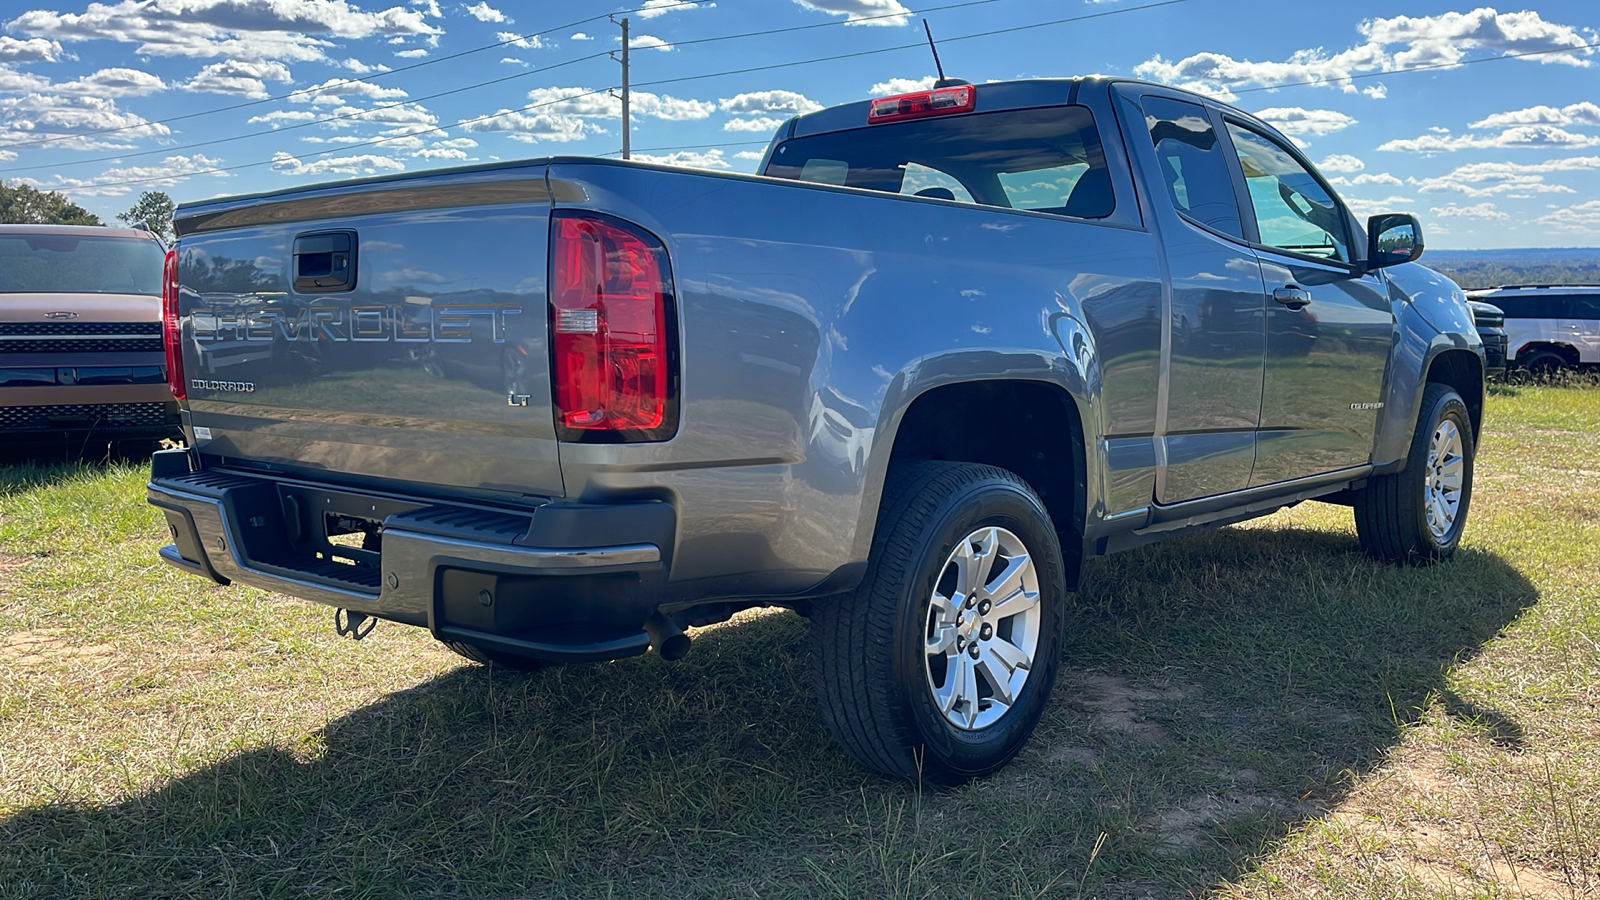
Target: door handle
1292,296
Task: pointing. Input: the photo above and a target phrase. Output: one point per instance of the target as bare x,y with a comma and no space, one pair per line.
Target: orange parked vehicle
81,358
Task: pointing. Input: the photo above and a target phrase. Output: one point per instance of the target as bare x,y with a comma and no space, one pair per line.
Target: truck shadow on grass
1216,693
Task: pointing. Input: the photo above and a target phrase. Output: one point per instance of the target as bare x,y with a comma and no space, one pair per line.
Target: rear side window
1193,164
1046,160
1534,306
69,263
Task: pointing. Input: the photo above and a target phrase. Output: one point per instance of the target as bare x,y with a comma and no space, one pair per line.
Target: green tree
22,204
153,211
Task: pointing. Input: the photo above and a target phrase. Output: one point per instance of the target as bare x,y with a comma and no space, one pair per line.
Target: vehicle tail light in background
924,103
171,330
612,329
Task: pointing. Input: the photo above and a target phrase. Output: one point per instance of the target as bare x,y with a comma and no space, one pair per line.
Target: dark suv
81,354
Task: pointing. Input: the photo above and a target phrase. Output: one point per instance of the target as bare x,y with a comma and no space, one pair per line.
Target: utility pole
627,123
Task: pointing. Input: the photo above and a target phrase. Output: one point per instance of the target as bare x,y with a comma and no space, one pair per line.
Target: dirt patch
1118,705
34,648
1188,826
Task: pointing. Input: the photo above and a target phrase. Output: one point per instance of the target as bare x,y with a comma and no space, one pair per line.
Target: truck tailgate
429,366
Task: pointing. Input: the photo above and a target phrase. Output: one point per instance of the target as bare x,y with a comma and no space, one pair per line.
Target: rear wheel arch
1528,351
1019,425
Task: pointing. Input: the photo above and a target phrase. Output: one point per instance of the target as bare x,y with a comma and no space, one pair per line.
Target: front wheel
1417,514
940,663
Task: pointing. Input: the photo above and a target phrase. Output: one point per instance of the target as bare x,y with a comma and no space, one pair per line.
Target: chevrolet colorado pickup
945,347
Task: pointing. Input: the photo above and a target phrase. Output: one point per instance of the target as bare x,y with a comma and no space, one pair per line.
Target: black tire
874,675
1542,365
1392,513
497,658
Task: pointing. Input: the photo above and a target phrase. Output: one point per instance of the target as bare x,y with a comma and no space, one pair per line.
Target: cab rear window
70,263
1046,160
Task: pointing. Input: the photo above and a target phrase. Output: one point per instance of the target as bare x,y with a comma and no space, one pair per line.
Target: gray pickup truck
943,349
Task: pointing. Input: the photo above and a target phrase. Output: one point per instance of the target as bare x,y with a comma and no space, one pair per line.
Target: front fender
1431,318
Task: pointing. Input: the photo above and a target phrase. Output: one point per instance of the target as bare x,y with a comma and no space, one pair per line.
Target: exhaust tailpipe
666,638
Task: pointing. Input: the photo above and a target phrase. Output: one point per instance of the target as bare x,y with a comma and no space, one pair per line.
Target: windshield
75,264
1045,160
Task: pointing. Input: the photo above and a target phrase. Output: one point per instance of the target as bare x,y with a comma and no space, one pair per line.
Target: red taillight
171,332
611,330
925,103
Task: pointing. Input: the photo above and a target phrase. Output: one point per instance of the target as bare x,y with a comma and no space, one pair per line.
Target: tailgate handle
325,262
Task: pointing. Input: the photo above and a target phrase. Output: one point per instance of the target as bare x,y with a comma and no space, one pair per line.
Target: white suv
1549,327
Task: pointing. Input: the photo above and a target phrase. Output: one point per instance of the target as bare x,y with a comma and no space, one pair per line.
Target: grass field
1257,712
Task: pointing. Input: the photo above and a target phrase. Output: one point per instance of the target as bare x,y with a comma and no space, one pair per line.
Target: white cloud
512,39
688,159
241,77
457,143
902,86
483,12
862,12
343,92
279,116
68,111
1393,44
281,29
531,128
787,102
648,42
414,53
574,101
1583,218
1585,113
760,124
1478,211
1341,162
653,8
1376,91
514,61
749,154
1295,120
1520,137
1364,208
428,7
1367,178
32,50
441,153
361,68
361,164
170,171
580,36
1488,179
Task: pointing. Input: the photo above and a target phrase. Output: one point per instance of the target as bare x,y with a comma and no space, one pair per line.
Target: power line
298,125
162,151
445,128
331,86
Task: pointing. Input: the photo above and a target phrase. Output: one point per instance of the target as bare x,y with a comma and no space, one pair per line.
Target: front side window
74,264
1046,160
1294,212
1193,164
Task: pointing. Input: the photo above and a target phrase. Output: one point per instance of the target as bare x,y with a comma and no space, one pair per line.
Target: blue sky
1407,111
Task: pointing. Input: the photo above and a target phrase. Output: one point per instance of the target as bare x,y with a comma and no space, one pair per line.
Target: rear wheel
497,658
1417,514
1542,364
939,665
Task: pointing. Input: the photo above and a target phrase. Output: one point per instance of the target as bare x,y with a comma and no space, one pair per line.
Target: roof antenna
943,82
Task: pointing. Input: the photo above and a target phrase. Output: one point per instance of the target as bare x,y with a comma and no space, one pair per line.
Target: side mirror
1393,238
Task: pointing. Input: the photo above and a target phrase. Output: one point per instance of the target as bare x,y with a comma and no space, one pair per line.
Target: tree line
24,204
